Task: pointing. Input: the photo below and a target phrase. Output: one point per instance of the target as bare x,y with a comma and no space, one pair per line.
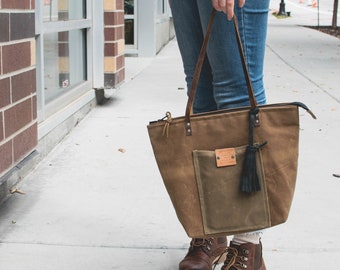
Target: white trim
56,119
96,48
61,26
38,17
40,65
64,100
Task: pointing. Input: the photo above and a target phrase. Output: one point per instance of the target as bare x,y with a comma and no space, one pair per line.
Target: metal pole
50,10
318,14
282,10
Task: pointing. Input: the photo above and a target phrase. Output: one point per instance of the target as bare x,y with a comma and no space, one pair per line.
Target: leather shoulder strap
199,65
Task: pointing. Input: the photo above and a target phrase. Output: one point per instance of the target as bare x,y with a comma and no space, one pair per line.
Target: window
64,62
130,12
63,10
62,28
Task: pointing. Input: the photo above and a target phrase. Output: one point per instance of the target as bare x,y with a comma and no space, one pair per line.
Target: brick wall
18,125
114,71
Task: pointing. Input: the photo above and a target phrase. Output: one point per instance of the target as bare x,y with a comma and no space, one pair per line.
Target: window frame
45,111
133,48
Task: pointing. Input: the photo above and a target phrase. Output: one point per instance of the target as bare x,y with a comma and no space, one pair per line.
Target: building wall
20,149
18,111
154,29
18,74
114,44
164,33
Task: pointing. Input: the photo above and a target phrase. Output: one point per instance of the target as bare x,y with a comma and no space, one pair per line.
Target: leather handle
194,84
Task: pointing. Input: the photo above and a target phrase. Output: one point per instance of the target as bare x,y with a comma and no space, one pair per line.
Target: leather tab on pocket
225,157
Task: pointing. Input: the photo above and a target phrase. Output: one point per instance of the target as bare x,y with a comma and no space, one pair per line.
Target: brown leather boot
203,253
245,256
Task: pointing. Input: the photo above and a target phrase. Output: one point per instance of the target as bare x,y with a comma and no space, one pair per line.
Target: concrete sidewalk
97,200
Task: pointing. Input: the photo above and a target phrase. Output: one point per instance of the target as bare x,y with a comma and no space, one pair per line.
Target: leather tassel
250,181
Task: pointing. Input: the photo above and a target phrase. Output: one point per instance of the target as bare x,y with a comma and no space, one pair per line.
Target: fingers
241,3
227,6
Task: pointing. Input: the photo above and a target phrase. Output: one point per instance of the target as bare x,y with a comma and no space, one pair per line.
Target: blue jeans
222,84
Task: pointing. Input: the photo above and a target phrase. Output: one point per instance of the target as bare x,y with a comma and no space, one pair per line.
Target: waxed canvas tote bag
229,171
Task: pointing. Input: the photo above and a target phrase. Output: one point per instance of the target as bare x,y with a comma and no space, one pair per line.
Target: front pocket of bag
225,209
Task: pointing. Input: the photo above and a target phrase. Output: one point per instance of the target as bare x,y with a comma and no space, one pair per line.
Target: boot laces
234,260
205,243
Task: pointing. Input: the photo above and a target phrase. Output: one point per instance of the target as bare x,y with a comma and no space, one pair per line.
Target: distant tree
335,13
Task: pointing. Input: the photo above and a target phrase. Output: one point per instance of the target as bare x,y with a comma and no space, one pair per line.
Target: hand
227,6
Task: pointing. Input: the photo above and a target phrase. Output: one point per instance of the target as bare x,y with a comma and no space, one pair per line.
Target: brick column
18,110
114,64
